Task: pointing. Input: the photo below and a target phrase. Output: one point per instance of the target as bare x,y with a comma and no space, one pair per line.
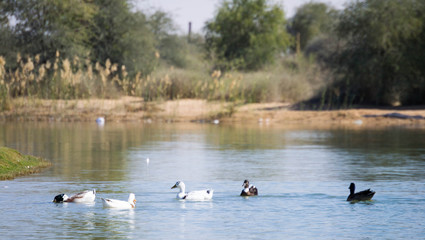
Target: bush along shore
13,164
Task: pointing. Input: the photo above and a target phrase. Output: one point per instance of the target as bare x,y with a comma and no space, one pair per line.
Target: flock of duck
207,194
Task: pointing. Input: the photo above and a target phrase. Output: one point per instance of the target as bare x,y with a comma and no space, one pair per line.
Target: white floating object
216,121
358,122
147,161
100,121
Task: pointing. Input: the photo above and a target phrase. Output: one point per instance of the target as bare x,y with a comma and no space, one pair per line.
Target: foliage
312,20
46,26
371,52
246,34
172,48
291,80
94,29
381,61
123,37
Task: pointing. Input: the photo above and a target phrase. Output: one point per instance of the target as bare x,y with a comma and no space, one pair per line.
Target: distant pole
190,32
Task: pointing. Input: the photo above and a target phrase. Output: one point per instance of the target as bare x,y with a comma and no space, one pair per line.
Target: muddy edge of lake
133,109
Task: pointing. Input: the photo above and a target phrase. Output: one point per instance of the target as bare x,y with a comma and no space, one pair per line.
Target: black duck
359,196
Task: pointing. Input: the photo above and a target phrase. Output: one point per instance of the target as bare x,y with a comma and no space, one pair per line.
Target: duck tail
370,192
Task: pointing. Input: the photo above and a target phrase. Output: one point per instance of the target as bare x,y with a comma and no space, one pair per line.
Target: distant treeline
371,52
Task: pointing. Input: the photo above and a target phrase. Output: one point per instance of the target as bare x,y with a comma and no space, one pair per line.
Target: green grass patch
13,164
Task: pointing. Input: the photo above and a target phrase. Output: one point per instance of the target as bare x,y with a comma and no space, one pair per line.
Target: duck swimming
249,190
194,195
112,203
360,196
82,197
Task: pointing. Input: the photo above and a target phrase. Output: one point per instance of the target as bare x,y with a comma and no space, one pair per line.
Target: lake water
302,175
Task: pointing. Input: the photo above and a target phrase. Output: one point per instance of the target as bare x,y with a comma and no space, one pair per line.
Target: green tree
172,48
246,34
7,39
312,20
46,26
381,61
122,36
95,29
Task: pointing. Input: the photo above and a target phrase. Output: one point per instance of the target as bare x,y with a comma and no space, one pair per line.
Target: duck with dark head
359,196
87,196
249,190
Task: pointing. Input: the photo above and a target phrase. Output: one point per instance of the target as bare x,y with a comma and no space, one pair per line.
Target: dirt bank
186,110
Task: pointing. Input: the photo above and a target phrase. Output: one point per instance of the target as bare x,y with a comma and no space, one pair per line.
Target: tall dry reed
292,80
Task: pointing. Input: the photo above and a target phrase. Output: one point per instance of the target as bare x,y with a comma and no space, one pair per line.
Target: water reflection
121,221
67,204
118,152
394,154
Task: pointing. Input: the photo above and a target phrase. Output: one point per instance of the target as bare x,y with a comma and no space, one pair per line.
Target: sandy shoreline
132,109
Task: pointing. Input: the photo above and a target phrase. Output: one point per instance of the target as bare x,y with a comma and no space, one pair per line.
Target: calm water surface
302,175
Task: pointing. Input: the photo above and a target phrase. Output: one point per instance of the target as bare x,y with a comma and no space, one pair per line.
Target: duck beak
174,186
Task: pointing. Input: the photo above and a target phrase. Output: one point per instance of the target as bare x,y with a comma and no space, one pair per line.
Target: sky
200,11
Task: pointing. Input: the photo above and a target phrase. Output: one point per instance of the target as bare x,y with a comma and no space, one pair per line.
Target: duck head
352,188
60,198
245,184
179,184
132,199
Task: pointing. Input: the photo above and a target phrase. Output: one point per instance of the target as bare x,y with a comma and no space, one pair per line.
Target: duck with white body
199,195
87,196
119,204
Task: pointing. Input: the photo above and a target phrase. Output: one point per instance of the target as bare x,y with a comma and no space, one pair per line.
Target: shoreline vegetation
320,66
14,164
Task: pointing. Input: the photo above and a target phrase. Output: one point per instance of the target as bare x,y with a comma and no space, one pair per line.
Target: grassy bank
13,164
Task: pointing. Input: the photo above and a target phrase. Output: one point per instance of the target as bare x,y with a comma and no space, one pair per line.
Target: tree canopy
312,20
46,26
122,36
247,34
89,29
382,58
171,46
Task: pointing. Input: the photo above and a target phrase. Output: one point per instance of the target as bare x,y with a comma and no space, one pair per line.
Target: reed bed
290,81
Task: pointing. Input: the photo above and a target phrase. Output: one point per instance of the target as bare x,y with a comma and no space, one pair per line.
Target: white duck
112,203
82,197
194,195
